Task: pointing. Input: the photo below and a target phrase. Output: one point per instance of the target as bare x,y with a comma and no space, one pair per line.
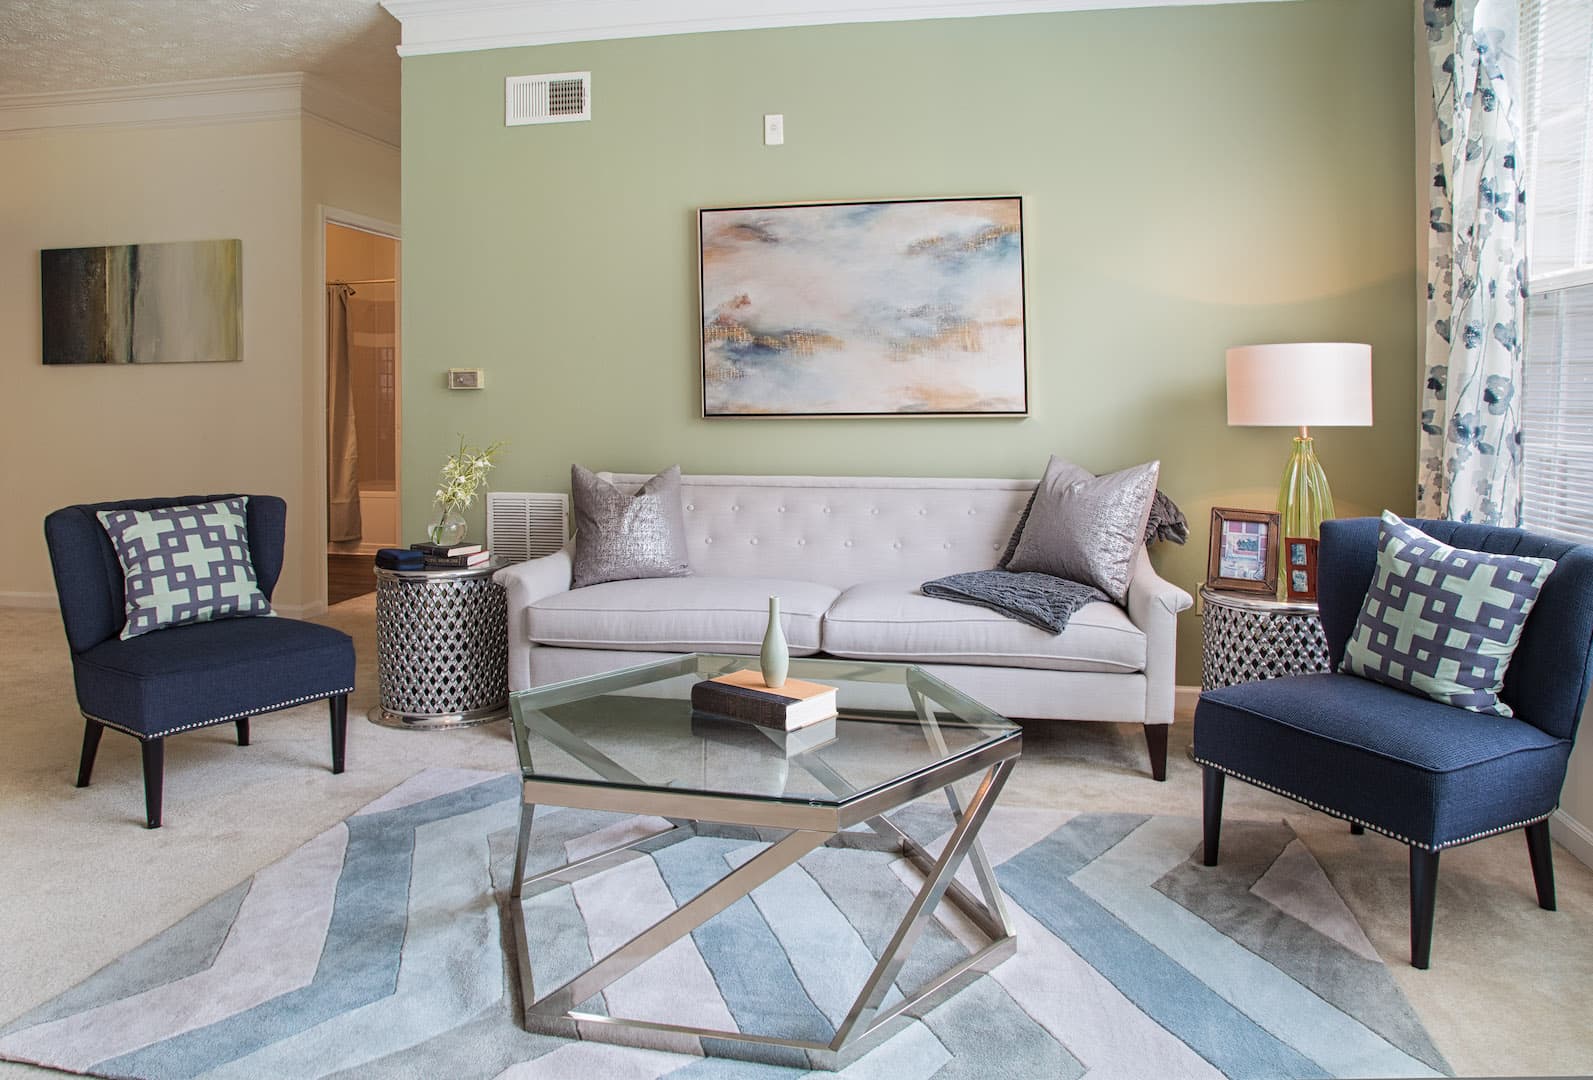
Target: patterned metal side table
1246,638
442,648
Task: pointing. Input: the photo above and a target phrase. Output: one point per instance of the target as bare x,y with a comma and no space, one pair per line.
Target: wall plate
466,378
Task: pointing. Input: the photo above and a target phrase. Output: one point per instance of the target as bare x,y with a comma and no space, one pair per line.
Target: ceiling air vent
526,524
547,99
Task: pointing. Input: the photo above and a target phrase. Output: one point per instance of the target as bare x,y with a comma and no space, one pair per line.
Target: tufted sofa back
841,531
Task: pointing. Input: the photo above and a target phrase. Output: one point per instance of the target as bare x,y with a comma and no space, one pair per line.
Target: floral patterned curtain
1469,467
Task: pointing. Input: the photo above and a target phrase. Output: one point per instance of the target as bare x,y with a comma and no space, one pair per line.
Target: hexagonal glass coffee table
628,742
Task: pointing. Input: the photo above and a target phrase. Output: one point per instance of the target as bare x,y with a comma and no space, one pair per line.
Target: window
1557,398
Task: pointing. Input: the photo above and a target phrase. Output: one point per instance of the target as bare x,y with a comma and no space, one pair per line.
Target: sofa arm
526,583
1153,606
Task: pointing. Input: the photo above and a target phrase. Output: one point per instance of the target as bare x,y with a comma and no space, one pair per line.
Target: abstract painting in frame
143,303
901,308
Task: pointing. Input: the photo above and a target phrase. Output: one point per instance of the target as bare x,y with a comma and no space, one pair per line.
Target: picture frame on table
1244,550
1299,569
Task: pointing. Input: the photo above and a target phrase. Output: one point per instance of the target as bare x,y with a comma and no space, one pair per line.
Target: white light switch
773,129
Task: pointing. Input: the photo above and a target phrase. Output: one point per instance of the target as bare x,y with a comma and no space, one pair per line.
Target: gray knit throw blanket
1040,600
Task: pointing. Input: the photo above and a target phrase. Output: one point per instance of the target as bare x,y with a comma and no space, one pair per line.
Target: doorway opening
363,430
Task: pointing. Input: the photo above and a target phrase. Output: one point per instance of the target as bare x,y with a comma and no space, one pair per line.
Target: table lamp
1325,384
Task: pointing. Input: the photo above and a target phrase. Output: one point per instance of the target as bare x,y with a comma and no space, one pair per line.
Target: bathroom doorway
363,429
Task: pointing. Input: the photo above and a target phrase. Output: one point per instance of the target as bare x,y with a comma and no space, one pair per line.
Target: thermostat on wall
465,378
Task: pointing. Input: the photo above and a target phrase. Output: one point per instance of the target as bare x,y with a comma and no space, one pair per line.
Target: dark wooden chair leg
339,704
243,731
154,774
92,730
1156,743
1542,863
1357,830
1211,786
1423,899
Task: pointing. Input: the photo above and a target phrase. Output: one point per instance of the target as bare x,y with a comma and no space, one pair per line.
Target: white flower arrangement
464,474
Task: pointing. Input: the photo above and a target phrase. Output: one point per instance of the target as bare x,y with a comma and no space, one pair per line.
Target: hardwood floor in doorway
348,576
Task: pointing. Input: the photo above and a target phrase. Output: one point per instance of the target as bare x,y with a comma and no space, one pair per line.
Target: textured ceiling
50,45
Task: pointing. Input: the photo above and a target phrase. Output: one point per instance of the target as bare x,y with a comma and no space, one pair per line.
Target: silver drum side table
1246,638
442,648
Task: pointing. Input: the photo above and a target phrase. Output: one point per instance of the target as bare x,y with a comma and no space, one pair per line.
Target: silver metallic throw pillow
1088,529
621,536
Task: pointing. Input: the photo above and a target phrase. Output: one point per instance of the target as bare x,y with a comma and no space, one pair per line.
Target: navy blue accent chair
192,676
1427,774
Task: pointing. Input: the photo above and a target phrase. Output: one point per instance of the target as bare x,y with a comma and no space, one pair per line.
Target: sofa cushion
684,614
620,536
894,620
1090,530
1427,773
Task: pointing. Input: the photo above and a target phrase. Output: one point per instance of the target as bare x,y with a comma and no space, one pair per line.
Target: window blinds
1557,397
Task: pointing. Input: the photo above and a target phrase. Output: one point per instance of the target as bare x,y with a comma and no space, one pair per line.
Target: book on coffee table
742,695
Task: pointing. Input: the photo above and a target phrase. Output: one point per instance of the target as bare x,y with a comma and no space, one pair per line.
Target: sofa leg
154,751
243,731
1211,818
339,706
92,730
1357,830
1156,743
1423,899
1542,863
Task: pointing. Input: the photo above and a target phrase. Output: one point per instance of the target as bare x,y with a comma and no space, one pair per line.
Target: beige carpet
82,882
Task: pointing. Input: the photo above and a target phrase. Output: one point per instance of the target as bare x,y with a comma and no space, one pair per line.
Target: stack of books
452,557
742,695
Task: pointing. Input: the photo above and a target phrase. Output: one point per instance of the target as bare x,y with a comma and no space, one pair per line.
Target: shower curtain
342,448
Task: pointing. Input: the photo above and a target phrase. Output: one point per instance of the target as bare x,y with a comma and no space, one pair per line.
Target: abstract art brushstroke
143,303
864,309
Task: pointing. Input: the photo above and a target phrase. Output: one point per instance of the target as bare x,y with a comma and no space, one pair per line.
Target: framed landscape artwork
905,308
142,303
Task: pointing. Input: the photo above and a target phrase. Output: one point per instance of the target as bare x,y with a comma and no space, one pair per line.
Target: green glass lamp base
1303,498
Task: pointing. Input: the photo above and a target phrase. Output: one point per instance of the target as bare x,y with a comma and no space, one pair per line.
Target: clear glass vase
1303,497
447,527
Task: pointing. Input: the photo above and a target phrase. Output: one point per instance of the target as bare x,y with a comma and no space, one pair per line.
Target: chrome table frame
805,827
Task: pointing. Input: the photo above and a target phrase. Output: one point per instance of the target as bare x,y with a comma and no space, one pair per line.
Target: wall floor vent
525,525
547,99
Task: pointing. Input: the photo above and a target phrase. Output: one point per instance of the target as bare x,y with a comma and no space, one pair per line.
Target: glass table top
635,729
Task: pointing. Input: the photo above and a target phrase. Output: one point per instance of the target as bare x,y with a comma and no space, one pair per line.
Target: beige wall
348,172
79,434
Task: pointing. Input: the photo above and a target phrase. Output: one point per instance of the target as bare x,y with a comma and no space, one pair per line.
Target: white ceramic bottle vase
775,658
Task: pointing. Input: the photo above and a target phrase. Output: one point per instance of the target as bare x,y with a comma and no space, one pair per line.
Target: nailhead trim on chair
220,719
1368,824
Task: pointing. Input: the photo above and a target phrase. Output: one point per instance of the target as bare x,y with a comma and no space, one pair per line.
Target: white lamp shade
1316,384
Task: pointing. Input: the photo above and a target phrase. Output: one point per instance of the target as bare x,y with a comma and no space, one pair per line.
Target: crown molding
446,26
324,101
197,101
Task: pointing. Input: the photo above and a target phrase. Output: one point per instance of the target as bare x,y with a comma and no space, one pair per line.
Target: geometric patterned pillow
1442,621
185,564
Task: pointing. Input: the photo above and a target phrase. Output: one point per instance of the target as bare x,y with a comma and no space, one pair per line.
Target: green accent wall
1193,178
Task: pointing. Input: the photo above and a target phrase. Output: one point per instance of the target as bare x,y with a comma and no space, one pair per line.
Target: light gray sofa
847,555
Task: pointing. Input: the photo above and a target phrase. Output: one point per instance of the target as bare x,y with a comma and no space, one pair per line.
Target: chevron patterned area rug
381,949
